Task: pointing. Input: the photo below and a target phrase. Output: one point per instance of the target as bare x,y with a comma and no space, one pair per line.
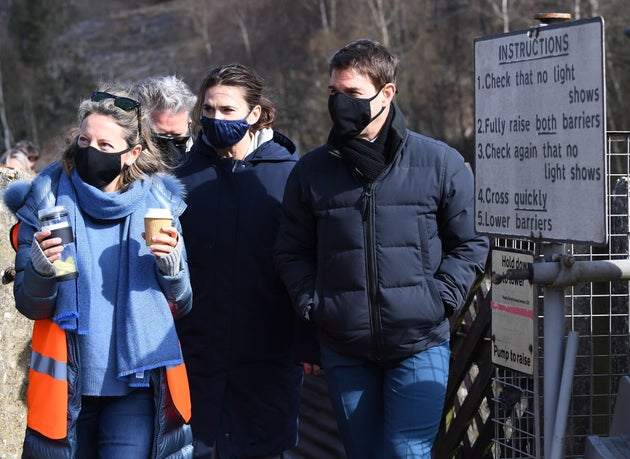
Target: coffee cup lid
157,212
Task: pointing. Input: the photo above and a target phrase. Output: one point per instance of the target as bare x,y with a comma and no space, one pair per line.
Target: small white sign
513,314
540,133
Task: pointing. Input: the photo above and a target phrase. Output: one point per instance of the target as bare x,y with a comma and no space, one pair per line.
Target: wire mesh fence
599,312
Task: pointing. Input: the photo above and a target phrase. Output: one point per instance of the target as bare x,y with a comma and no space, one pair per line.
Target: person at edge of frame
107,377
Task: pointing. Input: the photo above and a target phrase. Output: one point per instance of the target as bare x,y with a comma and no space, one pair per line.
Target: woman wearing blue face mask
107,377
238,341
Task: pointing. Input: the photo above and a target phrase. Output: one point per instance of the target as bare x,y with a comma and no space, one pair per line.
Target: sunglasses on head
124,103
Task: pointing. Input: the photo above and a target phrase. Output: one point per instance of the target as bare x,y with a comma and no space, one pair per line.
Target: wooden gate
467,429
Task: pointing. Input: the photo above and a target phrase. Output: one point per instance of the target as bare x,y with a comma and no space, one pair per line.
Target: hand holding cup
154,220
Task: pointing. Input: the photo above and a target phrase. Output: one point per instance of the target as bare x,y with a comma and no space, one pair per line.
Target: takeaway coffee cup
56,220
154,220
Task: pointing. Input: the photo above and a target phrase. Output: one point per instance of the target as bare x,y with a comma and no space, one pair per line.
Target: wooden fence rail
467,430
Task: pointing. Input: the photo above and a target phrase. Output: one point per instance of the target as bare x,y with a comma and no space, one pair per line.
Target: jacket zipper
370,243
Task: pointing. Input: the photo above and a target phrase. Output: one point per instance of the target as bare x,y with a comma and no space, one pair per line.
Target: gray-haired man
170,102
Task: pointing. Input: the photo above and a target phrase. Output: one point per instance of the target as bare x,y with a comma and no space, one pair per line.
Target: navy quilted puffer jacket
379,266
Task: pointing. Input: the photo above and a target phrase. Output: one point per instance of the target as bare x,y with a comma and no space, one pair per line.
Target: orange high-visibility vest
47,393
13,235
177,380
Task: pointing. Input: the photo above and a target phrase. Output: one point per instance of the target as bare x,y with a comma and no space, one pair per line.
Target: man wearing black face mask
170,102
377,248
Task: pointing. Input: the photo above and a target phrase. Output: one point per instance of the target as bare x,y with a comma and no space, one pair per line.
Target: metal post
560,426
553,347
553,321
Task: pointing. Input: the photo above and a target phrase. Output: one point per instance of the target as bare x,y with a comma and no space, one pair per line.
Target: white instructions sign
540,133
513,314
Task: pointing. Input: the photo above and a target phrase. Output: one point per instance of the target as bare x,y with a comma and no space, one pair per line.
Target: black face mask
171,148
98,168
350,115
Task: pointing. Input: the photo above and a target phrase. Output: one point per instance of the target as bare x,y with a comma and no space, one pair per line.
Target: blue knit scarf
144,327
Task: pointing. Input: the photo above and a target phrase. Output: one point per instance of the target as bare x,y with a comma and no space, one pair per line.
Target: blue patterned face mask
224,133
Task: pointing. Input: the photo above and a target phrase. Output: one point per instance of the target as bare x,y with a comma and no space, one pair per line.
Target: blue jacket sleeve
35,295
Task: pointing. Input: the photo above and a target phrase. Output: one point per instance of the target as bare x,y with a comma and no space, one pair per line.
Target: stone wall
15,331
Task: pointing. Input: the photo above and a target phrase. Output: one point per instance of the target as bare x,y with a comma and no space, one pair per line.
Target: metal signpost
540,173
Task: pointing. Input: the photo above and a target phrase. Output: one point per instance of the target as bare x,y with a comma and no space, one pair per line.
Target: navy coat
379,266
238,341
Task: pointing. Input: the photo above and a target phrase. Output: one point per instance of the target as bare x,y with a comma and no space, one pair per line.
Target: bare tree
378,16
502,12
240,21
199,17
327,13
290,43
6,132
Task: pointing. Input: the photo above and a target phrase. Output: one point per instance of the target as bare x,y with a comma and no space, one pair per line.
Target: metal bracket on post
560,272
564,271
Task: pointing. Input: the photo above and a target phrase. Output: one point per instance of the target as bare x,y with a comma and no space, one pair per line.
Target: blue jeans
116,427
388,412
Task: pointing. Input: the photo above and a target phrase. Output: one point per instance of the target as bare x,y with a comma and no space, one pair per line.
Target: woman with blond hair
107,376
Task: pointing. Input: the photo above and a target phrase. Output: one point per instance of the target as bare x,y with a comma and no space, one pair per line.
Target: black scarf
368,158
